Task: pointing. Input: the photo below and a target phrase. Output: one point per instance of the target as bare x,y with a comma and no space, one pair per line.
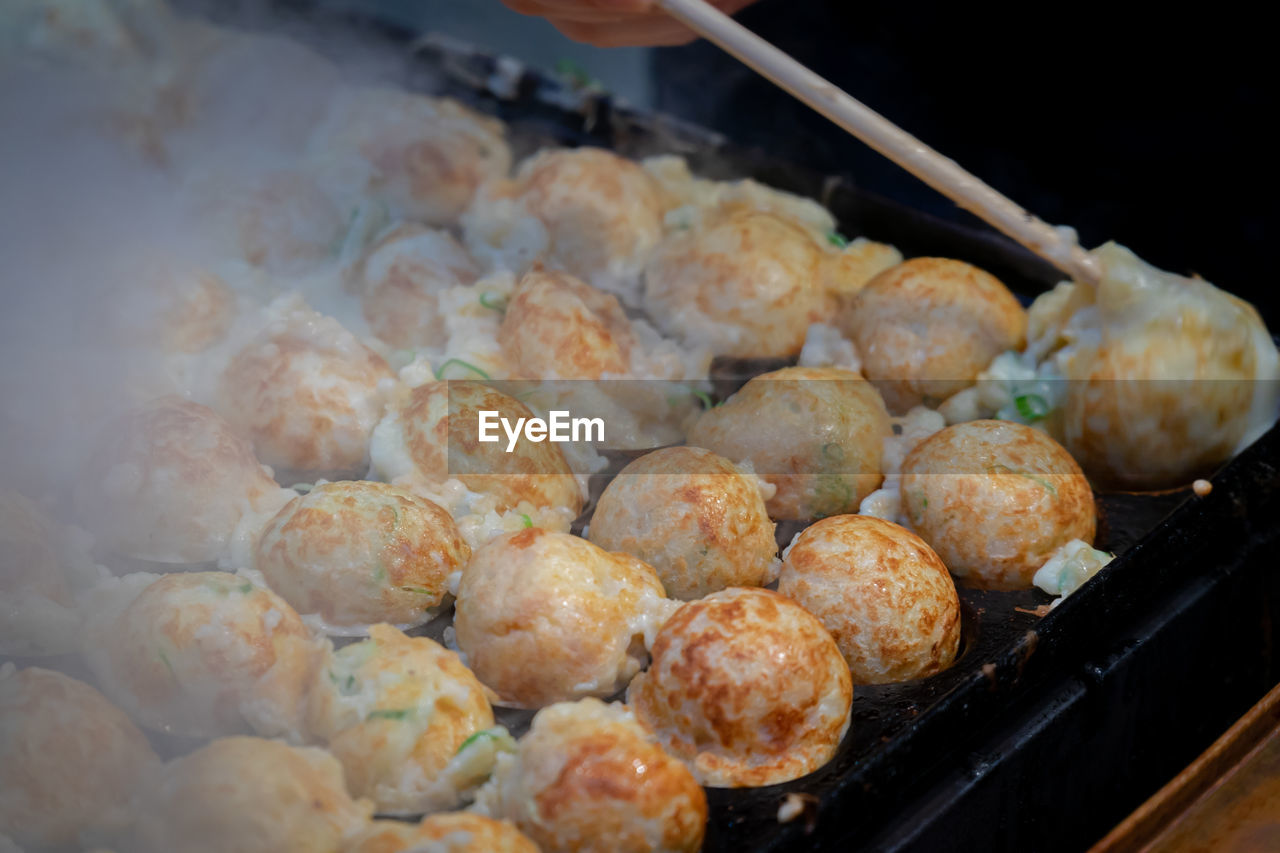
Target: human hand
616,23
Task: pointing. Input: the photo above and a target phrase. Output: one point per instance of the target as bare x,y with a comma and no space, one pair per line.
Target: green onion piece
165,658
837,239
528,522
246,588
707,402
421,590
487,301
389,714
1033,407
464,364
483,733
833,452
577,75
302,488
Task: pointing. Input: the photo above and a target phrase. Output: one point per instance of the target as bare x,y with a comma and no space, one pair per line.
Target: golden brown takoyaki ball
881,591
558,327
433,435
395,710
424,156
169,482
994,499
357,552
250,795
814,432
544,617
747,688
69,759
400,280
694,516
848,268
925,328
449,832
308,394
602,212
745,283
1165,375
588,777
204,654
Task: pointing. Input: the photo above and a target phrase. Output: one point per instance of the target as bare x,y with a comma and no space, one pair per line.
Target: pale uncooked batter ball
816,433
395,710
927,327
558,327
746,283
358,552
204,654
250,795
307,393
747,688
881,591
694,516
400,282
543,617
170,482
994,499
433,435
588,777
69,759
452,832
423,156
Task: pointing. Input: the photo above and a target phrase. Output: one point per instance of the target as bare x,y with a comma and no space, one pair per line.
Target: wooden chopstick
1056,245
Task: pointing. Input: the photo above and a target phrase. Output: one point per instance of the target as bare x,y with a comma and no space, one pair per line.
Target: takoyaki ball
926,328
850,266
881,591
395,710
695,517
204,654
745,284
423,156
543,617
69,760
995,499
250,795
746,688
171,307
588,777
28,551
558,327
400,281
308,394
602,212
357,552
433,435
816,433
1166,376
450,832
170,482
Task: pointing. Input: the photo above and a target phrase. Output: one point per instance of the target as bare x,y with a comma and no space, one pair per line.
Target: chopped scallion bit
463,364
577,74
483,733
388,714
499,305
528,522
707,402
1033,407
302,488
837,239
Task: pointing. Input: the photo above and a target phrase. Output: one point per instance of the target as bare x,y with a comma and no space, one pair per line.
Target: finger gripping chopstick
1056,245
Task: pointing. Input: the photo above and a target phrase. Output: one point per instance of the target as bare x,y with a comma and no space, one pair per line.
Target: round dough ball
695,517
424,156
69,759
588,777
308,394
745,284
747,688
453,832
543,617
558,327
816,433
37,591
881,591
204,654
994,499
433,436
395,710
401,278
357,552
170,482
926,328
250,795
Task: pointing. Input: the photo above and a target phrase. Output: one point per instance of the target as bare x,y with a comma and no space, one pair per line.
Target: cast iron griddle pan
1047,730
